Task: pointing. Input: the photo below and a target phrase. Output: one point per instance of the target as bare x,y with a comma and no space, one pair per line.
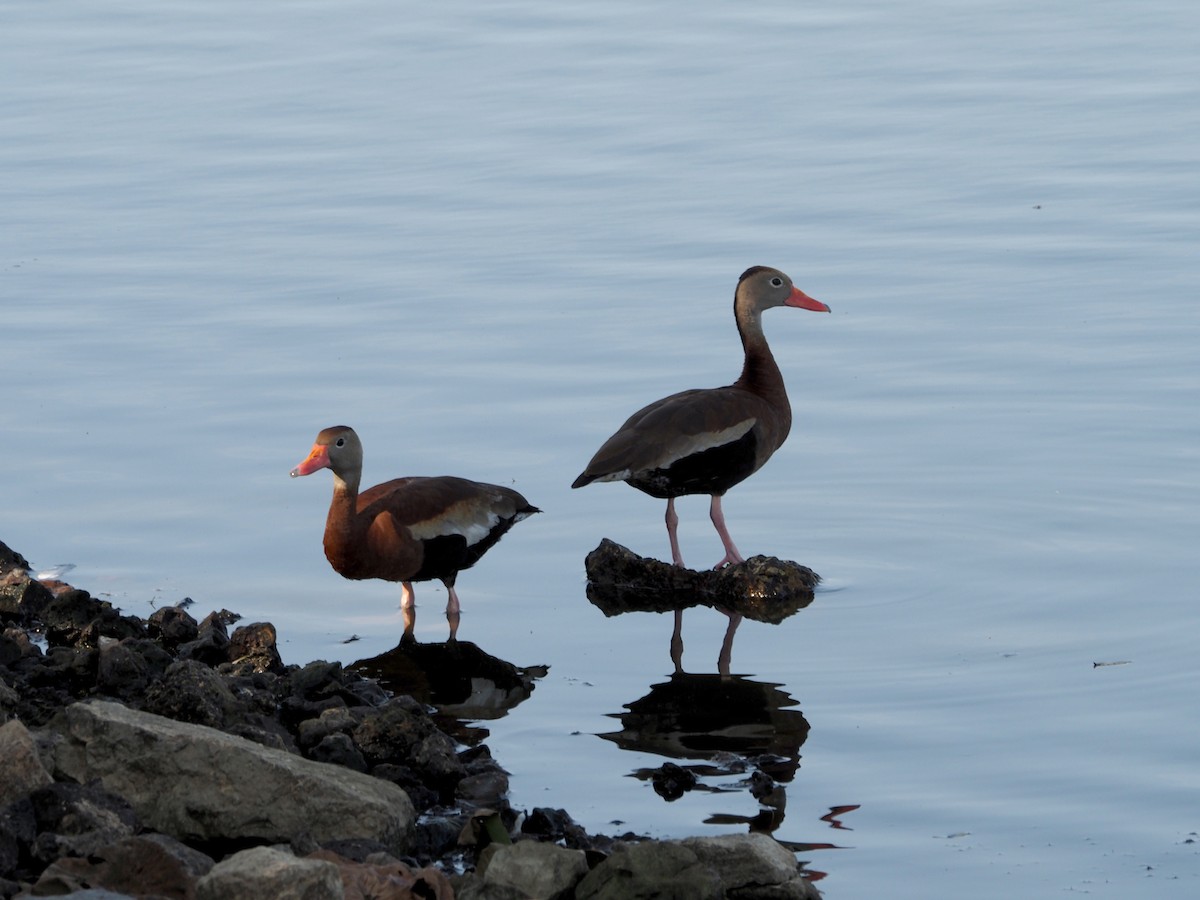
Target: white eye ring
341,442
776,281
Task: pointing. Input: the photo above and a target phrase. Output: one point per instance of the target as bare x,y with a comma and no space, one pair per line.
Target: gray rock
753,867
201,785
662,870
266,872
22,771
536,870
743,866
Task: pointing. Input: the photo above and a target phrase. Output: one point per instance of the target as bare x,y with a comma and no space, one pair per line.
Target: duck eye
341,442
776,281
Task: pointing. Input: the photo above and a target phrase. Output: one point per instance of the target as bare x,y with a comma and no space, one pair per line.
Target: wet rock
266,872
22,600
671,781
762,588
74,617
529,870
555,825
22,770
165,769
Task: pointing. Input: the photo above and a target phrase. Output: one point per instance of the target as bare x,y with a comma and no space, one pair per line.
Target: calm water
483,233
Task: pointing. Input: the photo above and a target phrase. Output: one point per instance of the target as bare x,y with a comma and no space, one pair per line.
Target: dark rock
190,691
146,865
78,819
394,733
339,750
22,600
211,645
252,649
672,781
172,625
74,617
762,588
126,668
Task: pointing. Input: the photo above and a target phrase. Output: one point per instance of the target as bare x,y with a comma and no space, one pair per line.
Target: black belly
449,554
712,471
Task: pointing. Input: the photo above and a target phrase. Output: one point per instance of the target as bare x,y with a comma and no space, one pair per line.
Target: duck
408,529
705,441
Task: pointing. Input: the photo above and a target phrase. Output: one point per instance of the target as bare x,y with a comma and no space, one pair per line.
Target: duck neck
760,373
339,524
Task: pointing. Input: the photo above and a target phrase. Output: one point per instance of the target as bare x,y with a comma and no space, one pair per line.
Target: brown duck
407,529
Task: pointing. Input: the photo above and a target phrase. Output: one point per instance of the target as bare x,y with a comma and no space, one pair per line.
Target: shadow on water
464,683
735,733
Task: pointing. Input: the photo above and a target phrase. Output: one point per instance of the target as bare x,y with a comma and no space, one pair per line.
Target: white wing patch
474,524
689,444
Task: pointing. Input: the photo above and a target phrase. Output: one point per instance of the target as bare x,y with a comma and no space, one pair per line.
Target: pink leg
718,520
407,599
672,524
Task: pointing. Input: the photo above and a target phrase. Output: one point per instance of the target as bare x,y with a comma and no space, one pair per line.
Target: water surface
482,234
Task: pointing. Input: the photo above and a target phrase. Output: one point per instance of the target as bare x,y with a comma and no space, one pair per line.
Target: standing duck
705,441
408,529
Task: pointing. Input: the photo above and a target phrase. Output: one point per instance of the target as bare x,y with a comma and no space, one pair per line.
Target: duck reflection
729,729
458,678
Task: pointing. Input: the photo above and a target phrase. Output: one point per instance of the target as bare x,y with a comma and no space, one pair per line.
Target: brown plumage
706,441
407,529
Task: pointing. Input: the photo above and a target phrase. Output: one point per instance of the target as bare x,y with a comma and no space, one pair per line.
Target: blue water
483,234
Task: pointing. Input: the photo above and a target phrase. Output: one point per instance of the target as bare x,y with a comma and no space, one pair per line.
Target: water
482,234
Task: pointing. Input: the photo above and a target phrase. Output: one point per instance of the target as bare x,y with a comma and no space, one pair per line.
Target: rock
252,649
74,617
211,645
396,734
126,668
671,781
742,866
190,691
266,872
664,870
167,771
386,879
535,871
23,599
762,588
151,864
78,819
22,771
753,867
173,626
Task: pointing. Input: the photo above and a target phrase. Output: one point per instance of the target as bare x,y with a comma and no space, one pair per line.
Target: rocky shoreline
176,757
